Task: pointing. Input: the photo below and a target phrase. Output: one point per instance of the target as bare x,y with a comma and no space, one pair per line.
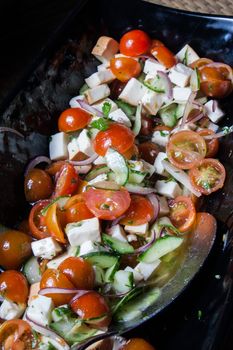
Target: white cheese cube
82,231
136,165
213,111
159,168
152,101
163,206
101,77
103,66
181,94
84,143
117,232
187,55
132,238
139,229
169,189
105,48
180,75
54,263
10,310
98,178
73,148
136,274
148,168
100,160
46,248
87,247
99,105
58,146
151,67
97,93
120,117
146,270
160,137
74,101
40,310
133,92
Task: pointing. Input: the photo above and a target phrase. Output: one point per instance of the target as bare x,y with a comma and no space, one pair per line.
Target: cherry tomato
14,286
205,225
81,186
134,43
55,167
164,56
53,223
76,209
132,152
79,272
136,344
211,145
92,305
162,128
37,225
207,176
215,80
216,88
17,335
67,181
140,211
156,43
57,279
125,68
147,126
107,204
185,148
73,119
117,136
116,87
148,151
200,62
182,213
37,185
15,248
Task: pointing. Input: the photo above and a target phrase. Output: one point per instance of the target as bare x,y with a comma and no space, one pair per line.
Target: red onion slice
13,131
195,119
89,108
35,162
79,294
188,109
225,131
55,290
155,203
139,190
84,162
147,245
167,83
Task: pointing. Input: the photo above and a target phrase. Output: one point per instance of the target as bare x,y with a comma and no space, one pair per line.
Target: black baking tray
45,54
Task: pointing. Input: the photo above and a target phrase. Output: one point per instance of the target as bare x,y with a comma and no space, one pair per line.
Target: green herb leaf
100,124
106,108
162,133
199,315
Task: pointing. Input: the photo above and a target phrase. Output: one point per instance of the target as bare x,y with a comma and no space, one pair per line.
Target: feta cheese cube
40,310
10,310
132,238
169,189
100,160
97,93
58,146
101,77
99,105
103,66
187,55
74,101
87,247
160,137
133,92
84,143
120,117
117,232
181,94
151,67
73,148
213,111
152,101
148,168
33,292
136,274
146,270
98,178
82,231
46,248
180,75
105,49
159,168
163,206
138,229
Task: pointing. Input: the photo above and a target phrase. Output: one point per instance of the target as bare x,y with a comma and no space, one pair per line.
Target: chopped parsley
227,129
162,133
100,124
106,108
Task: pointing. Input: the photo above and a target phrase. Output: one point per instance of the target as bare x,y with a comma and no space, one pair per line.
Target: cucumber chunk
168,115
31,270
123,281
117,163
97,171
117,245
136,176
110,272
101,259
126,108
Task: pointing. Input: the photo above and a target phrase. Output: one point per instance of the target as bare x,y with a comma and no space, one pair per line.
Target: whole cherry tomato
73,119
14,286
125,68
37,185
148,151
164,56
139,212
134,43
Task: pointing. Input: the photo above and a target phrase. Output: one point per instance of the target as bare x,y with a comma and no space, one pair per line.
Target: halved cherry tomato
140,211
76,209
185,148
81,186
53,223
211,145
162,128
57,279
79,272
37,225
207,176
107,204
132,152
37,185
125,68
148,151
15,248
164,56
117,136
55,167
134,43
67,181
136,344
14,286
17,335
73,119
92,305
182,213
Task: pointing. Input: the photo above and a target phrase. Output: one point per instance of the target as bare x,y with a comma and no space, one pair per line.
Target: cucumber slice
31,270
155,84
137,306
105,185
97,171
99,276
161,247
83,88
123,281
195,80
101,259
117,245
110,272
136,176
129,296
138,120
168,115
180,110
126,108
62,313
117,163
61,201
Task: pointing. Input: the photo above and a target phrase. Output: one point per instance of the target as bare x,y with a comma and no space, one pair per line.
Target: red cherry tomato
53,223
76,209
107,204
205,224
37,185
182,213
36,220
200,62
140,211
73,119
136,344
148,151
132,152
116,136
216,88
164,56
125,68
17,335
67,181
135,43
55,167
211,145
14,286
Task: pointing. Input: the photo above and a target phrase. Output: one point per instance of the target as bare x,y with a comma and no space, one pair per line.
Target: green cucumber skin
110,272
31,270
95,172
116,245
101,259
118,166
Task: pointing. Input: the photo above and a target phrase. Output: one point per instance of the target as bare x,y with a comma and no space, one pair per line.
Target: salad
114,205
